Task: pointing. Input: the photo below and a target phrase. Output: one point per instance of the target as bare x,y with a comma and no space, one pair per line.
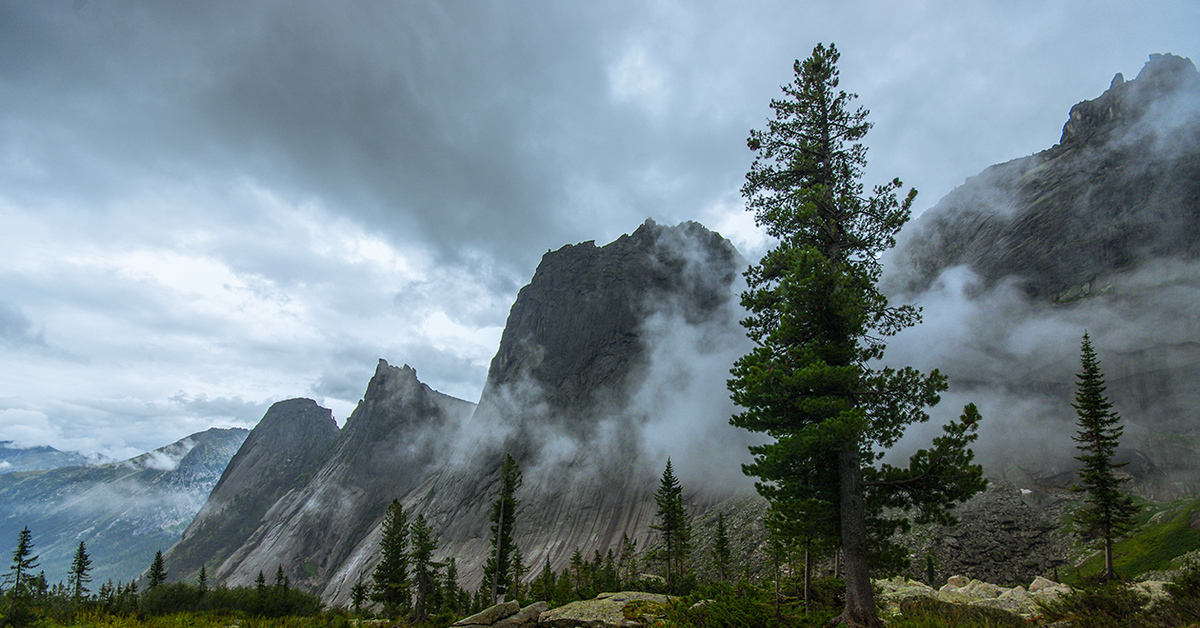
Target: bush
928,612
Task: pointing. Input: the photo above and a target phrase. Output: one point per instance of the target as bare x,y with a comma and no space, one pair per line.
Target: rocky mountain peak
1164,78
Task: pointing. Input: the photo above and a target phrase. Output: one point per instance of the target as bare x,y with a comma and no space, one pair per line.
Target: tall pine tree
1108,513
20,574
497,571
817,321
722,555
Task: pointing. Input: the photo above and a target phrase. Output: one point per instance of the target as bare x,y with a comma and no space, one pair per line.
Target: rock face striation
123,511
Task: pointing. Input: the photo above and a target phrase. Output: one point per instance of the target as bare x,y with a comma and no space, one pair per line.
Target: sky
209,207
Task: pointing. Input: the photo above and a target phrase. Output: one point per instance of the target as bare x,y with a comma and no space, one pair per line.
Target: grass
1152,545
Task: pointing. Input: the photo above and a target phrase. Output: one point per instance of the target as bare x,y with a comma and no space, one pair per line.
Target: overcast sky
206,207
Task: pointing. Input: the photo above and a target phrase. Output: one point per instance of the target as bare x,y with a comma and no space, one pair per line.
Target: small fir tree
24,561
81,568
722,555
260,583
1108,512
358,595
157,574
674,526
391,574
424,543
628,566
498,568
202,579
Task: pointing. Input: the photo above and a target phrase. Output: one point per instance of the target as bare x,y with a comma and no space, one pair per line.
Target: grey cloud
16,330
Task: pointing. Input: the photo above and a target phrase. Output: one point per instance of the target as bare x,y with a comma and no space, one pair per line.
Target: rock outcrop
293,439
1121,188
322,499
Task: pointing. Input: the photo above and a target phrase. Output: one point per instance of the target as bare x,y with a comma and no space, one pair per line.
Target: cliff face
1120,189
293,439
1100,232
568,394
303,495
123,511
598,349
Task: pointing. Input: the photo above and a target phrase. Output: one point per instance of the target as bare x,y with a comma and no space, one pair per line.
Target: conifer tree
674,526
24,561
577,569
391,573
157,574
817,320
543,587
358,595
424,543
81,568
628,567
722,556
454,593
260,583
498,568
202,579
1108,512
516,573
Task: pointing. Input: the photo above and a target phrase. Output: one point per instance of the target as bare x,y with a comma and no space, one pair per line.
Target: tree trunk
499,540
807,571
1109,572
860,598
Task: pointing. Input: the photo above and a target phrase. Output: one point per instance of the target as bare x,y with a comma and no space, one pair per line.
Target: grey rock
490,615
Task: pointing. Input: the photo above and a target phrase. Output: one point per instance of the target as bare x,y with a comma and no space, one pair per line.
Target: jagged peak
1164,77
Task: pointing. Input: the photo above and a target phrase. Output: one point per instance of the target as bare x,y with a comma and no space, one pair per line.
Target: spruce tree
24,561
358,595
812,381
391,583
157,574
81,568
202,579
424,573
498,568
1108,512
674,526
722,555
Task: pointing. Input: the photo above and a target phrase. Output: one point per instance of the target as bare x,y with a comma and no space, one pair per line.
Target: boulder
490,615
606,611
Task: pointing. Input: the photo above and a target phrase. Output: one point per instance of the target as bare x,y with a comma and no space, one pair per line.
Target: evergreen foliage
674,526
424,574
81,568
497,571
391,586
817,320
202,579
158,573
722,555
1108,513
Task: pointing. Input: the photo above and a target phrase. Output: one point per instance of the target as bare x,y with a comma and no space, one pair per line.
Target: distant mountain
15,458
597,349
123,511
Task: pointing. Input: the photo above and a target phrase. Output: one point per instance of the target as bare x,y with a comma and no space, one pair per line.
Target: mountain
604,369
16,458
123,511
1099,232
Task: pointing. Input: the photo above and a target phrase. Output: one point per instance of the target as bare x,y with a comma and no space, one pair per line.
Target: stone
606,611
490,615
527,616
957,582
